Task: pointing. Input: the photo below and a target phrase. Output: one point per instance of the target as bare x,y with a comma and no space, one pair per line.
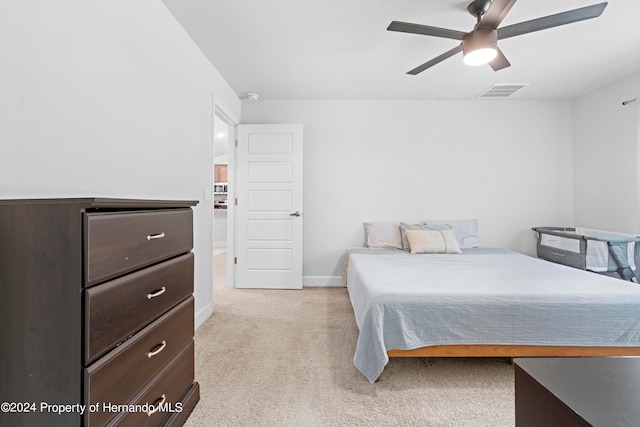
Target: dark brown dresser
96,312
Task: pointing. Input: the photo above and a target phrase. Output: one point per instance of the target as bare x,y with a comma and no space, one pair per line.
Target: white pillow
465,230
383,235
432,242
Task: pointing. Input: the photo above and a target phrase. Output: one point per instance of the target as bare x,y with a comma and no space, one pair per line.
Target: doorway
223,137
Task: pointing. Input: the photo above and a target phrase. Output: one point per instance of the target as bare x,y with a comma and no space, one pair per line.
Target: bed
484,302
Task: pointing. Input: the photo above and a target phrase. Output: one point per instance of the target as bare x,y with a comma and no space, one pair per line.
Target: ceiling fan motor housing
478,8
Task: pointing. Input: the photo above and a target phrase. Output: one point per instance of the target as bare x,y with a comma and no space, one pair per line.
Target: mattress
482,296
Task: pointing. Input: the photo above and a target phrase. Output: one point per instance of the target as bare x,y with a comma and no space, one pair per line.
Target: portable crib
604,252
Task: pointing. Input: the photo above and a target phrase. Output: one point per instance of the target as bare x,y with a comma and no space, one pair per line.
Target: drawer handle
157,294
156,405
155,236
157,350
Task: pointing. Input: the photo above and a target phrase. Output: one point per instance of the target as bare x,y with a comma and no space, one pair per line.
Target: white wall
507,163
108,99
606,142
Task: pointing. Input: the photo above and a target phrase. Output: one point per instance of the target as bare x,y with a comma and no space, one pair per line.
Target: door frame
219,111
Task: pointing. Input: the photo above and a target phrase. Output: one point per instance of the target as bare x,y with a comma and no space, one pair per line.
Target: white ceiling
339,49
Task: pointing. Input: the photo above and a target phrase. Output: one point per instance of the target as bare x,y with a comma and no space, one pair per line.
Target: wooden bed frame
513,351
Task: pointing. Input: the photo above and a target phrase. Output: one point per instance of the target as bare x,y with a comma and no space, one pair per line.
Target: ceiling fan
480,46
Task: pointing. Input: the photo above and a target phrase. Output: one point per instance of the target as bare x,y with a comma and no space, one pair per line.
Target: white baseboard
329,281
203,314
222,244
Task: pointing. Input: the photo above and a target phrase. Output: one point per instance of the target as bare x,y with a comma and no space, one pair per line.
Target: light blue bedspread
403,301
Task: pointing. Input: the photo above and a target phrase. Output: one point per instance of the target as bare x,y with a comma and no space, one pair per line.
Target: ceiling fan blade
406,27
499,62
436,60
551,21
495,14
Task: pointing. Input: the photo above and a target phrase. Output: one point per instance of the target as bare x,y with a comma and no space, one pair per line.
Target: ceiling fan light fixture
480,56
480,46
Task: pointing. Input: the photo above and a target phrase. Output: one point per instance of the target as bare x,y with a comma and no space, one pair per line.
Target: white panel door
269,207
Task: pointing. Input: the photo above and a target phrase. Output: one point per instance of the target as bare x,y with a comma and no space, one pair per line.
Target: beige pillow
404,226
432,242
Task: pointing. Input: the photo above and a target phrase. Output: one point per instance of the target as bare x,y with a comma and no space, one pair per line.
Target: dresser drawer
117,309
163,395
188,401
118,376
117,243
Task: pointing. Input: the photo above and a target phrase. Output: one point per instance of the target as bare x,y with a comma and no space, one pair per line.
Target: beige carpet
285,358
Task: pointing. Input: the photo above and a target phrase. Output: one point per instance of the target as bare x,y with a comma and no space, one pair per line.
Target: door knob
296,213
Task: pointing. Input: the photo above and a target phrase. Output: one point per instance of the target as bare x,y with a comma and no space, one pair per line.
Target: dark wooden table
580,391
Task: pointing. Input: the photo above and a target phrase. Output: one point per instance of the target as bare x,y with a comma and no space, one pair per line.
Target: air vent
502,90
